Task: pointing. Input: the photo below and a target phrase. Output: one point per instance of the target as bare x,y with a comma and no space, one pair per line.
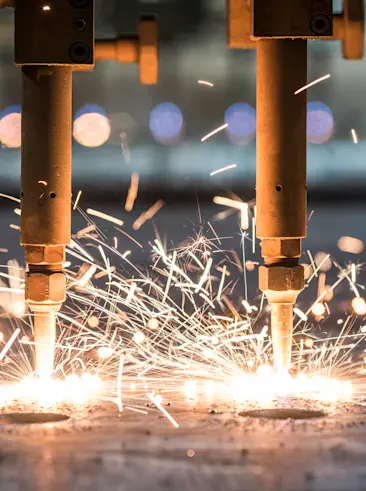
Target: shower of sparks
217,130
223,169
354,136
77,199
104,216
181,326
206,82
321,79
132,192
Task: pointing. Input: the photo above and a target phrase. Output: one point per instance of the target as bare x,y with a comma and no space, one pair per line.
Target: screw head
79,52
320,24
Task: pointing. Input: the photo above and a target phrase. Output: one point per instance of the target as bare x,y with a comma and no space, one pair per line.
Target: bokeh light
241,120
320,122
10,127
166,123
92,127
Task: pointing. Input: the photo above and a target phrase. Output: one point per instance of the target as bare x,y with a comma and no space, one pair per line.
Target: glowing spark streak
104,216
17,211
13,290
215,234
217,130
15,227
312,263
206,298
43,182
77,200
168,283
84,278
221,283
119,384
301,314
353,272
78,324
195,258
136,410
354,136
204,275
75,245
132,192
318,268
163,410
223,169
247,307
126,254
131,293
9,343
205,82
129,237
325,77
86,230
9,197
148,215
220,200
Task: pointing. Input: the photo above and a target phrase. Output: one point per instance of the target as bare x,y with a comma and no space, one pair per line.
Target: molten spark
104,216
217,130
132,192
223,169
325,77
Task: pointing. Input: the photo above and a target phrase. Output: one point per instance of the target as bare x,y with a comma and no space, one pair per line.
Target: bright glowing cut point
10,127
105,352
318,309
158,399
359,306
73,390
266,385
241,120
320,122
46,8
166,123
91,126
190,389
139,337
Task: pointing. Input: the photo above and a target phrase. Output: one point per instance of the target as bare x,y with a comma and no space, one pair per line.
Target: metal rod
46,197
281,181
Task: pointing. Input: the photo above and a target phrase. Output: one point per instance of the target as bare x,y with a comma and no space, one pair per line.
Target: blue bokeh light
320,122
166,123
241,120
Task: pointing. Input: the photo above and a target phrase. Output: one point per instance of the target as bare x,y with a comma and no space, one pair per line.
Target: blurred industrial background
121,127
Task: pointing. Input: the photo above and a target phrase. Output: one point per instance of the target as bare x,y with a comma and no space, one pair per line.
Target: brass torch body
281,181
45,198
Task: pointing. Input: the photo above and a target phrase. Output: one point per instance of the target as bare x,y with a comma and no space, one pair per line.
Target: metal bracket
292,18
57,32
